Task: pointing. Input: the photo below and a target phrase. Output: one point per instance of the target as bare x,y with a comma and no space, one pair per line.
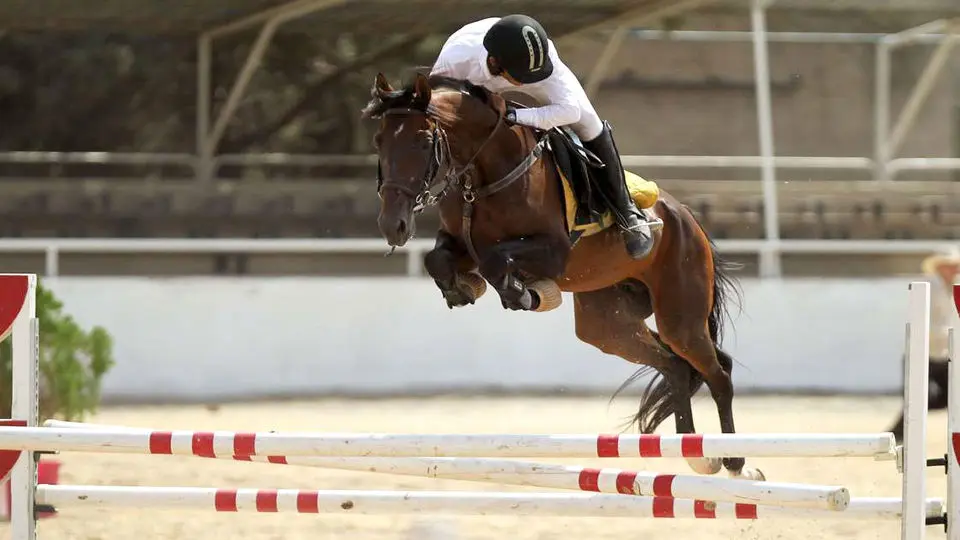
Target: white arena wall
209,339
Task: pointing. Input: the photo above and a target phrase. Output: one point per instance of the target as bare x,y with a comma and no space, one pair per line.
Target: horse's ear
381,84
421,89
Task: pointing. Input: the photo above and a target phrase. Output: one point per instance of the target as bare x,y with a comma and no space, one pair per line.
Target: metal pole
204,89
240,85
910,35
289,11
296,6
919,95
770,259
711,36
881,111
639,15
602,66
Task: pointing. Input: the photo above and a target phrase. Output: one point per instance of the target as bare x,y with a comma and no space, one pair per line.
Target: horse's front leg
452,269
524,271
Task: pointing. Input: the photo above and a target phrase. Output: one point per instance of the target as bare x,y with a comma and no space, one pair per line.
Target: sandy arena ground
863,476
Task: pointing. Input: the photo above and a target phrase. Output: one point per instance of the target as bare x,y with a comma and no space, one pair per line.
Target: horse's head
413,147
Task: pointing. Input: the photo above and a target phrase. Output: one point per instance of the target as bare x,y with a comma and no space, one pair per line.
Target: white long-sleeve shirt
562,98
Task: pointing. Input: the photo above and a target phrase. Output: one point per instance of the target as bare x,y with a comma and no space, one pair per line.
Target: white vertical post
769,262
916,391
953,432
25,339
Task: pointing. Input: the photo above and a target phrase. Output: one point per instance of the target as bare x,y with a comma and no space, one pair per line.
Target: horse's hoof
549,293
705,465
472,284
748,473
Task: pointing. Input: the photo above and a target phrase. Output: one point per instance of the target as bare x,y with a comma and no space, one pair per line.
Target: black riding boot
636,231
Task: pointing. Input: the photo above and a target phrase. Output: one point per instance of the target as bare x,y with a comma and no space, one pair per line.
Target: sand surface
863,476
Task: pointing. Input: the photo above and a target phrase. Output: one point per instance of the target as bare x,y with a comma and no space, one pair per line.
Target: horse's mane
381,102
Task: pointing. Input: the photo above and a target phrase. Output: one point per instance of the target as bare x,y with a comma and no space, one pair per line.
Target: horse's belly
597,262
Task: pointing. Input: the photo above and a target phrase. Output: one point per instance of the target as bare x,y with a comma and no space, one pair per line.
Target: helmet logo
536,56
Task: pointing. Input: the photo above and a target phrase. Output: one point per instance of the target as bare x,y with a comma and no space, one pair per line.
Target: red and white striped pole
568,477
450,502
229,443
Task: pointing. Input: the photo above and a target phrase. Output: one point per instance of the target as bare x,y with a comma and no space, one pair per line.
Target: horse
504,203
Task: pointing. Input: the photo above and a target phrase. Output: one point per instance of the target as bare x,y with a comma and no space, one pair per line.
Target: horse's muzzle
396,230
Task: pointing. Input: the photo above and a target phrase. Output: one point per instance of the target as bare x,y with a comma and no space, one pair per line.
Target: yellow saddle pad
644,192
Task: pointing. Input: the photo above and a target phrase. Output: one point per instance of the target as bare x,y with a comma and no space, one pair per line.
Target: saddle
586,210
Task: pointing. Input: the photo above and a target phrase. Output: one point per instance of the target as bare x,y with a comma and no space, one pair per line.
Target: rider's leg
636,231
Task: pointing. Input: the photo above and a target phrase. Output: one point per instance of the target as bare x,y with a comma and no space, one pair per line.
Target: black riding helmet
521,47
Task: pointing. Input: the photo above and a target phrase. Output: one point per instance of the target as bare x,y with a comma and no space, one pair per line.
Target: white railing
192,162
52,248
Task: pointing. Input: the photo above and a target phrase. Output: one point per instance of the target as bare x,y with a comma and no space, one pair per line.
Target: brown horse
501,205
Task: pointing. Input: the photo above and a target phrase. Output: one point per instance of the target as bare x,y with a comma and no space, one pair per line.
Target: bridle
461,178
430,194
425,196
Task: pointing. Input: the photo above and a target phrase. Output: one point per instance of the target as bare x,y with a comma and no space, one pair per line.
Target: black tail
656,402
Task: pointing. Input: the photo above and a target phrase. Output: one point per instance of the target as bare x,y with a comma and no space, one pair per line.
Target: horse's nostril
402,227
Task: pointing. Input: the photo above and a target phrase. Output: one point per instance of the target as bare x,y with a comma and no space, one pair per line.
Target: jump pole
567,477
232,443
452,503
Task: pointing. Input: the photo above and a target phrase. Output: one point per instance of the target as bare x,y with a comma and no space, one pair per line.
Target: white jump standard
587,492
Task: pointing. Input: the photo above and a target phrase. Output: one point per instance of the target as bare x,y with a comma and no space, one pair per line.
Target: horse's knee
439,263
494,265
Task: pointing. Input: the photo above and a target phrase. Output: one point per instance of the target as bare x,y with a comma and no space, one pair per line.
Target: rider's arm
564,106
457,60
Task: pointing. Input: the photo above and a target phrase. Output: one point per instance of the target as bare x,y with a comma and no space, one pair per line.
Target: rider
514,53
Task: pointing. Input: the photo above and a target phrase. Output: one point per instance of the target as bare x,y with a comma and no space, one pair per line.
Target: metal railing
53,248
192,162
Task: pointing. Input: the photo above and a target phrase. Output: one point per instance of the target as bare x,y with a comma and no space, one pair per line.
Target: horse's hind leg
699,350
688,320
680,376
612,320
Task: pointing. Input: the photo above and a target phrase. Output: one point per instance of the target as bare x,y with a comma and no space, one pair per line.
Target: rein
432,192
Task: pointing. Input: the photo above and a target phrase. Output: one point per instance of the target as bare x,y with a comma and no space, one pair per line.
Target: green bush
72,363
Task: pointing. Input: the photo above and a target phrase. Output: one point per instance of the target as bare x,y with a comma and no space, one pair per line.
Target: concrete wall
205,339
